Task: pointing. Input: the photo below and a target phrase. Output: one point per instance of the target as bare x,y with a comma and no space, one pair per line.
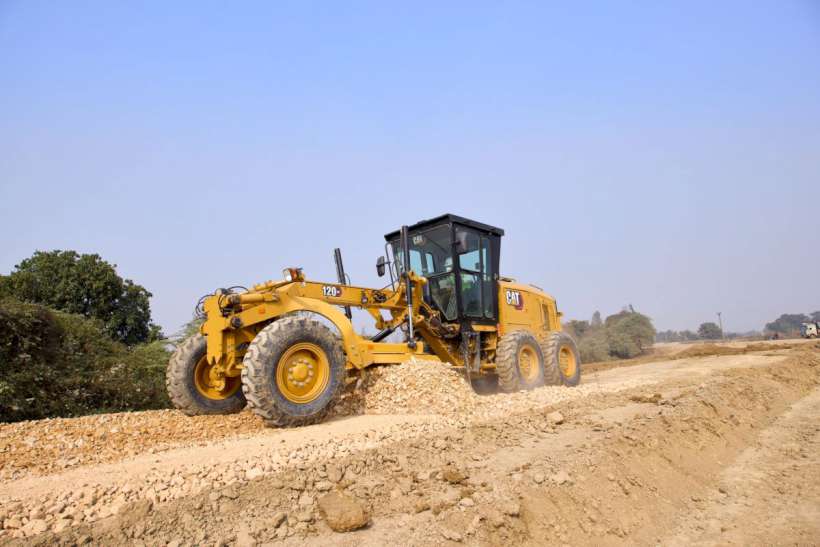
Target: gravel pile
416,387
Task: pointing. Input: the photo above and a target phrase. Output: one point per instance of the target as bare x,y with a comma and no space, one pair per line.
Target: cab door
477,272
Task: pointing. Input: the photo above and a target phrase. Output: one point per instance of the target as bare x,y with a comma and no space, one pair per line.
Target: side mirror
380,266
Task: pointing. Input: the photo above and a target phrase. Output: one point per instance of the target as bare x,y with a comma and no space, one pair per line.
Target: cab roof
447,218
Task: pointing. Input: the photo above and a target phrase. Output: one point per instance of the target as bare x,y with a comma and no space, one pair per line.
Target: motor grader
286,348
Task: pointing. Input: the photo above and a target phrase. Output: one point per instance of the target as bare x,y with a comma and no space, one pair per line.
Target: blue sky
663,154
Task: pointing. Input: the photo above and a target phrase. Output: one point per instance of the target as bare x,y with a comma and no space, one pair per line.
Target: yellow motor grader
285,347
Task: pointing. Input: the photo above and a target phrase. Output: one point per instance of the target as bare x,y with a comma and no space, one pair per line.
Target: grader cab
286,347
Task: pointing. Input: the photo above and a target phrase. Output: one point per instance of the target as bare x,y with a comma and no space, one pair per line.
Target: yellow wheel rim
303,373
528,363
566,359
212,384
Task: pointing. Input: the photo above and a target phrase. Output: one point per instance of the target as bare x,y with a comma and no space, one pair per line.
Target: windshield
430,251
431,257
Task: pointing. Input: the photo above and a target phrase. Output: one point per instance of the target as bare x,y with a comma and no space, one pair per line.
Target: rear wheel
561,353
195,387
293,372
519,362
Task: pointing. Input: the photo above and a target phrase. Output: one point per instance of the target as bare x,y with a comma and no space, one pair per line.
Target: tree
788,323
709,331
85,285
668,336
629,333
596,320
578,329
815,316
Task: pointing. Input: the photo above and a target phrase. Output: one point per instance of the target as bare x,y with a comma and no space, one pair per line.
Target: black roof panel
448,218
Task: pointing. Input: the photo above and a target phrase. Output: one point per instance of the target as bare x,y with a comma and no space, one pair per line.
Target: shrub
622,336
59,364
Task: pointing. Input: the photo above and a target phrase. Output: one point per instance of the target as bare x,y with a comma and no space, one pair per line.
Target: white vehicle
810,330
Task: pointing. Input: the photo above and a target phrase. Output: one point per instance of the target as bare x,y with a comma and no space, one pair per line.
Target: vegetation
85,285
623,335
676,336
789,323
709,331
76,338
58,364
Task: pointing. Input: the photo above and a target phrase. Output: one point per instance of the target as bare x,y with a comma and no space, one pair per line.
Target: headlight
288,274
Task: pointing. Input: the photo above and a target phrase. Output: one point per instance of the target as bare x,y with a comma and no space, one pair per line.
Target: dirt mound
416,387
708,350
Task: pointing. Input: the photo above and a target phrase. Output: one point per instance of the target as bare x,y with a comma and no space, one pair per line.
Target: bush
622,336
59,364
594,347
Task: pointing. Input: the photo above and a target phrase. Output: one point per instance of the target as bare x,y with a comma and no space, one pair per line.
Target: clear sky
663,154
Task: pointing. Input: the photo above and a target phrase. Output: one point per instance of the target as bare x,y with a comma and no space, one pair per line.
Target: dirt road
702,450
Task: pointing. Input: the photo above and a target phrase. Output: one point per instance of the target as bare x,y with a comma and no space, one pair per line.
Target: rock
214,496
305,516
644,398
555,418
453,475
132,513
253,473
511,508
35,526
305,500
334,473
12,524
452,535
231,492
561,477
538,478
278,518
467,502
342,513
323,486
421,505
61,525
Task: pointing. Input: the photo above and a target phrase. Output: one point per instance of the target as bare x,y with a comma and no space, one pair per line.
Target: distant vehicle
810,330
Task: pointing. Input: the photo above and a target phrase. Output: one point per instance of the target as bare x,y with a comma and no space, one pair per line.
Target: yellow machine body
233,320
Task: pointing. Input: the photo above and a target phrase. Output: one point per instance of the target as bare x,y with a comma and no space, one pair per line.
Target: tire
519,362
552,368
182,384
558,347
283,354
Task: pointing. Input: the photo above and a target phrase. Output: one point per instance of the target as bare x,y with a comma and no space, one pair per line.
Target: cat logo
515,299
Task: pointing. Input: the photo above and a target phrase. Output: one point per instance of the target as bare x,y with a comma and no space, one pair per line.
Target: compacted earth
700,446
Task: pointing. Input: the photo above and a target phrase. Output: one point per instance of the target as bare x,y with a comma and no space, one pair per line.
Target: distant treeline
787,324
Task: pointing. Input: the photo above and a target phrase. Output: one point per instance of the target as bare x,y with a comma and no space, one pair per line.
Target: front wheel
193,385
293,372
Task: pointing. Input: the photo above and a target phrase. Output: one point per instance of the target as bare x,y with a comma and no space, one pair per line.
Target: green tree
788,323
85,285
709,331
629,333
